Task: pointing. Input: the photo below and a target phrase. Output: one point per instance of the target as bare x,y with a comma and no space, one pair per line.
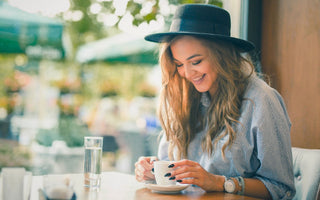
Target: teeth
197,79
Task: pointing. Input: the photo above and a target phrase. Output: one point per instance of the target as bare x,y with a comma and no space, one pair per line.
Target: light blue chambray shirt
262,148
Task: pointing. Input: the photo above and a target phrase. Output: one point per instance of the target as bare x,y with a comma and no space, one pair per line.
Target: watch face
229,186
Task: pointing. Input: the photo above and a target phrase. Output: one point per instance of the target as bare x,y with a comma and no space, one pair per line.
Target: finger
184,162
145,173
142,158
139,174
188,181
187,168
153,159
149,160
145,162
188,175
144,168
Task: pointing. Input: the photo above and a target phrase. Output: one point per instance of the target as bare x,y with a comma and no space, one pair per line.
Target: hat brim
243,45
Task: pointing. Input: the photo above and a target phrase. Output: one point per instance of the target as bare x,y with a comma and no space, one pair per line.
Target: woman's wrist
233,185
217,182
221,184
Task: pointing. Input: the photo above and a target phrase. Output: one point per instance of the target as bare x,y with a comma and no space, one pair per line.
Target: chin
201,90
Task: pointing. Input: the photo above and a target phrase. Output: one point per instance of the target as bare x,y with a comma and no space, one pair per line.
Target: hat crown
201,18
203,12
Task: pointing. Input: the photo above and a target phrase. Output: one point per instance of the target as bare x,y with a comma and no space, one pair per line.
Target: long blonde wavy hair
179,108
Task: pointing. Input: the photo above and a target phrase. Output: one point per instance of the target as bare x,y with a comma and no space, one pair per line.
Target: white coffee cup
160,170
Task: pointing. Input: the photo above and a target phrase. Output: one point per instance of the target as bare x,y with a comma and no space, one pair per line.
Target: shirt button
299,178
288,193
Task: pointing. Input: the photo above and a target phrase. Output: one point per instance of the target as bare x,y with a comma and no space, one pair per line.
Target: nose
188,71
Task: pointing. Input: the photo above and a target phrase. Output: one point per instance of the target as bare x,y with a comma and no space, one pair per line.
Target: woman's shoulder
257,88
262,102
262,98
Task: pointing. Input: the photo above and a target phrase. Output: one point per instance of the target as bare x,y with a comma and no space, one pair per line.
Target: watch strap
241,184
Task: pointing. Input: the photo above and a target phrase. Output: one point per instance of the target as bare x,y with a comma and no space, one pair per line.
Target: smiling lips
198,80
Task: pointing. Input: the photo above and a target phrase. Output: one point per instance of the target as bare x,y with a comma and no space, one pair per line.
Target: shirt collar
205,99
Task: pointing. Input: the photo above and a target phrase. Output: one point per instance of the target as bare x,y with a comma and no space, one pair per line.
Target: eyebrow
195,55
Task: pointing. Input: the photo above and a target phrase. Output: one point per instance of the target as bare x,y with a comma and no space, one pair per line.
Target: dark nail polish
152,169
170,166
172,178
179,181
167,175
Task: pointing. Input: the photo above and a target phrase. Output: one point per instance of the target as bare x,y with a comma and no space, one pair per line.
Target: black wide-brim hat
202,20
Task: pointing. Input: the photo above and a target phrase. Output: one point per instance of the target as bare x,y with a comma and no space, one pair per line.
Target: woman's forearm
256,188
252,187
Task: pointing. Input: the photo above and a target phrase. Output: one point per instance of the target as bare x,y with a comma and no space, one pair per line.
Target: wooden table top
119,186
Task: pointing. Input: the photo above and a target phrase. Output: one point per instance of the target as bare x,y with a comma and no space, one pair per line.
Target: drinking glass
92,161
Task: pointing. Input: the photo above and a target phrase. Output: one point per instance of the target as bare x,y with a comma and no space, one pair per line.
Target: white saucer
166,189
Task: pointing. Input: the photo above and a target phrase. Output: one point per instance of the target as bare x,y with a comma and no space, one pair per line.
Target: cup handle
154,159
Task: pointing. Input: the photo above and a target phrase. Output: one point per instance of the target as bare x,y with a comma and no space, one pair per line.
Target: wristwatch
229,185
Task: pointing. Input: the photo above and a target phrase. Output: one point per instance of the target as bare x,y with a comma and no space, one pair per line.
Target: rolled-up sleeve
271,132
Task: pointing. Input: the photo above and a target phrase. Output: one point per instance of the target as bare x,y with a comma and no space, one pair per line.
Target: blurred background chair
110,150
138,144
135,145
306,168
110,144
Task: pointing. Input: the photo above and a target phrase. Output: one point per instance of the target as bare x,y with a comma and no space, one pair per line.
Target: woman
226,128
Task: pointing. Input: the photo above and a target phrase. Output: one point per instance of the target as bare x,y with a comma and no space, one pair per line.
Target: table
120,186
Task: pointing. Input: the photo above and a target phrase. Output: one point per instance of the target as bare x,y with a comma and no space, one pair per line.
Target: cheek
213,72
181,71
213,77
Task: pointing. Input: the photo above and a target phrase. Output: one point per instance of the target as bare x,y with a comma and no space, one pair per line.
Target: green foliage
114,80
46,137
70,130
14,155
89,28
6,69
88,22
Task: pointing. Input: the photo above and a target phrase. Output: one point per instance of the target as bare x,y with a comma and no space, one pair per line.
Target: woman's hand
190,172
143,168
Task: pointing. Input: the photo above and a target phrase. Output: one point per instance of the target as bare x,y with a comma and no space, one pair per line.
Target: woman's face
194,63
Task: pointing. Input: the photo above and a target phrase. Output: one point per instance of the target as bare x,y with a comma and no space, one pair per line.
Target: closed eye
179,65
197,62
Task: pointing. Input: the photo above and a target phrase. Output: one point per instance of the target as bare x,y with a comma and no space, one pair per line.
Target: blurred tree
87,18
